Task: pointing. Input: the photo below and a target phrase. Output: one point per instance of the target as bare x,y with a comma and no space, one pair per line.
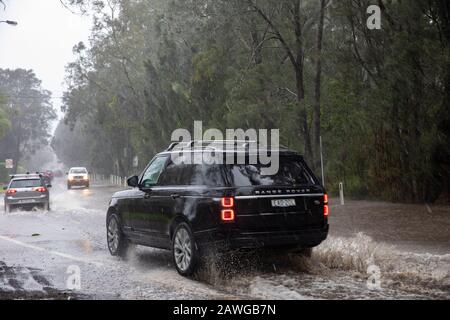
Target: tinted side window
291,172
176,175
151,175
193,174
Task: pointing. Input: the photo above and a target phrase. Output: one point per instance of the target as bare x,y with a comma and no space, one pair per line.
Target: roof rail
174,144
171,146
210,143
23,175
220,141
193,142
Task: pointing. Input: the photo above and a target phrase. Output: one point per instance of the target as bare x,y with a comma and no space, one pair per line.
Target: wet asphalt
375,250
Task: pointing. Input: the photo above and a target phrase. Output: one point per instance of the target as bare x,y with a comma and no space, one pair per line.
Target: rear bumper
18,202
235,239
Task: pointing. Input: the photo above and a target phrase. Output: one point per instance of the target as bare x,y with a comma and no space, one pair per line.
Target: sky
42,40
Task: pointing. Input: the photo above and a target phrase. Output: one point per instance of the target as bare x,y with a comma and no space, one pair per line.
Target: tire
7,208
117,243
47,206
68,186
185,254
305,252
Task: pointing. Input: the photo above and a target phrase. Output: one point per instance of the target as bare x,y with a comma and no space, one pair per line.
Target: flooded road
375,250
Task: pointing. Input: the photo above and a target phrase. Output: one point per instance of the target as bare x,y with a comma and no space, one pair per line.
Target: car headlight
70,178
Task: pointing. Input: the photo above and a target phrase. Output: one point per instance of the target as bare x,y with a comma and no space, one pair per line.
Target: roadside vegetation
378,98
26,113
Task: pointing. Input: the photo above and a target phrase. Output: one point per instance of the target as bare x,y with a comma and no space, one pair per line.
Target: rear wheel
305,252
117,242
47,206
7,208
184,251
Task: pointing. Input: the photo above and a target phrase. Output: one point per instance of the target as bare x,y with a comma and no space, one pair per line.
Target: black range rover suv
188,208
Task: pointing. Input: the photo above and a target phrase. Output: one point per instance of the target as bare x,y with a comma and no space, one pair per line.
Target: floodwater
375,250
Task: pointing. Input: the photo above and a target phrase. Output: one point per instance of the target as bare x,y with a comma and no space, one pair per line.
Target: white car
77,176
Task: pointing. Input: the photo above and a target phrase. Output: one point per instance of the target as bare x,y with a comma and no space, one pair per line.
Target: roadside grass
2,184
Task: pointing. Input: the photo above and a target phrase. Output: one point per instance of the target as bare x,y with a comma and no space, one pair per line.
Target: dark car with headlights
27,191
188,208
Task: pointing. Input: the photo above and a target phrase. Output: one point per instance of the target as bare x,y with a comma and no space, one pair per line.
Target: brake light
227,202
40,189
10,191
227,213
326,208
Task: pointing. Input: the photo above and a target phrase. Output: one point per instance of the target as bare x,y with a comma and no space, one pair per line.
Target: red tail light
10,191
40,189
227,202
326,208
227,214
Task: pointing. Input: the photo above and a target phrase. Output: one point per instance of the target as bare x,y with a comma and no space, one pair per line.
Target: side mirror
67,173
48,185
133,181
5,187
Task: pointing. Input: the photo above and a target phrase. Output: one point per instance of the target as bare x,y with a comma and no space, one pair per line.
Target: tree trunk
298,66
302,114
296,57
256,43
317,87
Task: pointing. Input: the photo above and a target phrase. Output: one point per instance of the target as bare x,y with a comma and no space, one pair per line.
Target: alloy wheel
113,235
182,249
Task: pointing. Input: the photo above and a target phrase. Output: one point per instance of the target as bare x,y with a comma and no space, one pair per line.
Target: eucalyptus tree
29,111
311,68
5,124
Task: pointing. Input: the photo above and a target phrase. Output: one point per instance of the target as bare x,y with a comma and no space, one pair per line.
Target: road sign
9,163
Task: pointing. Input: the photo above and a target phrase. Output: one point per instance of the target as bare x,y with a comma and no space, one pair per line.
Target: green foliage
3,174
26,116
5,124
156,65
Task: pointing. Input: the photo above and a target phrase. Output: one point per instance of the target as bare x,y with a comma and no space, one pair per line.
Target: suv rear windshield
25,183
292,171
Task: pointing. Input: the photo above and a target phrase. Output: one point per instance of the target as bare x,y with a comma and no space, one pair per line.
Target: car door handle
175,195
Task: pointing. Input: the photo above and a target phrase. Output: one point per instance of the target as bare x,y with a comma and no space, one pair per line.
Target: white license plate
27,201
283,203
